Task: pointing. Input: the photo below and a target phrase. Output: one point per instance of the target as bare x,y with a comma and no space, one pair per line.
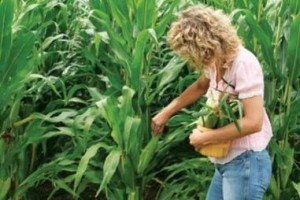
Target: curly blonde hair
204,35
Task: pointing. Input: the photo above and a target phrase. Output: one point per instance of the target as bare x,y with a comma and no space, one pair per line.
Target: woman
206,38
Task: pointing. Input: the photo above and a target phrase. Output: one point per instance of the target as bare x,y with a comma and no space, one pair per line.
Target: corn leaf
16,70
275,190
146,14
264,40
293,61
170,72
132,137
138,62
62,184
119,12
295,6
126,107
110,165
285,161
166,75
6,18
297,187
114,76
117,42
21,48
115,193
166,19
83,164
287,156
127,171
108,108
147,154
4,185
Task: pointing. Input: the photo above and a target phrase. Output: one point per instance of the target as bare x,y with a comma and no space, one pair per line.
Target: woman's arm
190,95
250,123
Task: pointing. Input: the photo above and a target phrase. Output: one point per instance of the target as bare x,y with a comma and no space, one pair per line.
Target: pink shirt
246,75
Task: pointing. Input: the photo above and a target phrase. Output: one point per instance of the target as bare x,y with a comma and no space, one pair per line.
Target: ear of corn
212,120
226,111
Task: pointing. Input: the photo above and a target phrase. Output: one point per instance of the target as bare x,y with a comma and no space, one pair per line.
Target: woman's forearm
230,132
189,96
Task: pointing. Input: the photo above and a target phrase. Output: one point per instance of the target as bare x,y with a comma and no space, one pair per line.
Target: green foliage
186,179
80,81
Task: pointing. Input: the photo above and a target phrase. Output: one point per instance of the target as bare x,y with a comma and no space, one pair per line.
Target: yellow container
218,150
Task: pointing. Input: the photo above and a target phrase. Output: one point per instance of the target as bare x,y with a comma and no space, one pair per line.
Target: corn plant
24,133
185,179
16,59
129,118
69,111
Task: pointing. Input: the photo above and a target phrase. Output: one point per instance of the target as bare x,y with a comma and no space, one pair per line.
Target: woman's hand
197,139
158,122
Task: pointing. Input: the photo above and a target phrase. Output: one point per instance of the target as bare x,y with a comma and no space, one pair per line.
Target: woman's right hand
158,122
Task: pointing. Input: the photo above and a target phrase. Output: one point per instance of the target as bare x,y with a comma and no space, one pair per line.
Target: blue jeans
246,177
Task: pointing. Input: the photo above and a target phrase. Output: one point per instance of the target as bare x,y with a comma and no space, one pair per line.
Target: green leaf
131,127
5,186
126,107
119,12
62,184
264,39
6,18
146,14
110,165
295,6
109,109
170,72
117,43
286,166
115,193
293,61
297,187
138,62
275,190
166,75
49,40
14,73
127,171
132,137
147,154
22,46
166,19
83,164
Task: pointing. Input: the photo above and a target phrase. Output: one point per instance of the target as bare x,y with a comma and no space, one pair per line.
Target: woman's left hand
196,139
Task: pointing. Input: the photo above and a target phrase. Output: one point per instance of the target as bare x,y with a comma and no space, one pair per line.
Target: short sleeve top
244,79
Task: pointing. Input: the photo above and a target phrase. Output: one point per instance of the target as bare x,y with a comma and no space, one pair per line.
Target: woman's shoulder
245,59
245,56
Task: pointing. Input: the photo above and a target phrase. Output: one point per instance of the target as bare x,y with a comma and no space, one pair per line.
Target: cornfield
81,79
